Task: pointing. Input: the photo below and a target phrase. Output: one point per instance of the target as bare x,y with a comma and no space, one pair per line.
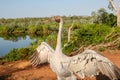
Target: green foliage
36,25
83,32
51,39
31,30
69,47
17,54
87,35
103,17
101,49
91,34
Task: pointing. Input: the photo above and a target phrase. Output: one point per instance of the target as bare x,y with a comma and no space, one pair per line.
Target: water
7,44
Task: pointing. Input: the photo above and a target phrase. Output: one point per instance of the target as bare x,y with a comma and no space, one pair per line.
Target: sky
48,8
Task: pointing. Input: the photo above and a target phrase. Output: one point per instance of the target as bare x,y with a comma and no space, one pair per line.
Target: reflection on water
8,42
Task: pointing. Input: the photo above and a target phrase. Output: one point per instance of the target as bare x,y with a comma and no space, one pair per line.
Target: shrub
17,54
91,34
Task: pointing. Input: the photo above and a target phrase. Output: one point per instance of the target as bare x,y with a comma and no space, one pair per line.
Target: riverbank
22,69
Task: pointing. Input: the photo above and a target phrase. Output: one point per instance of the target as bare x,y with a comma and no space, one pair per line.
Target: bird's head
57,18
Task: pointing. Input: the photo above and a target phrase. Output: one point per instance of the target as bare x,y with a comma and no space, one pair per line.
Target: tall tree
116,10
103,17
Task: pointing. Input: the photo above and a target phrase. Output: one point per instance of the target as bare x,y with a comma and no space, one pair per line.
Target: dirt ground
22,70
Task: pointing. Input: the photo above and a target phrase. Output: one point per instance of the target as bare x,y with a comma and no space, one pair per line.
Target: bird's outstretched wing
41,54
90,63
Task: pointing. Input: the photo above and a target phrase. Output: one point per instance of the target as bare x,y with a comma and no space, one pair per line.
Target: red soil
22,70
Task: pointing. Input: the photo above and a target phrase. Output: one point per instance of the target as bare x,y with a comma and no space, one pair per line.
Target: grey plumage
90,63
86,64
41,54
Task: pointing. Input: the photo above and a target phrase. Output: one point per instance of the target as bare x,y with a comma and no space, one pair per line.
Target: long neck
58,46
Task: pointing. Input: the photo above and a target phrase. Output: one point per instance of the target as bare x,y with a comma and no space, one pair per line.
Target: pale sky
47,8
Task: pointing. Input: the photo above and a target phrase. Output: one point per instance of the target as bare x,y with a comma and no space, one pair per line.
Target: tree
100,16
103,17
116,10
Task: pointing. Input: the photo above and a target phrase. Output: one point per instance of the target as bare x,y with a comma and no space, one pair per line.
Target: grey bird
86,64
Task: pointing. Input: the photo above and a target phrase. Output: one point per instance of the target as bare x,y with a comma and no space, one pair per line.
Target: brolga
86,64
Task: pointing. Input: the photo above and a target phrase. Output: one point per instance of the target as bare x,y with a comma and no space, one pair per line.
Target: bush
87,34
17,54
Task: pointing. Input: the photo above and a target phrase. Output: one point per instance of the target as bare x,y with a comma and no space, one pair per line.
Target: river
6,44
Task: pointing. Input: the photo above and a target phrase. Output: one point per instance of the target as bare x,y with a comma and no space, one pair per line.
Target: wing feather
35,58
90,63
41,54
